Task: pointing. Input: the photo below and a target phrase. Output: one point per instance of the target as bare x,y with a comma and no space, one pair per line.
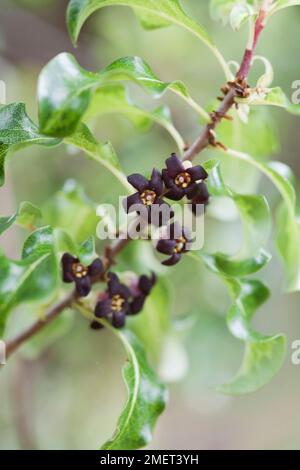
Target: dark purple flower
141,292
148,191
149,194
175,245
181,181
201,197
83,276
115,303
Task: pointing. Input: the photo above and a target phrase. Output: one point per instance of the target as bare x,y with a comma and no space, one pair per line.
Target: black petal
124,291
67,262
202,195
83,286
166,246
96,268
197,173
146,283
103,308
139,182
174,165
113,283
191,190
173,260
132,200
156,182
118,319
175,194
137,304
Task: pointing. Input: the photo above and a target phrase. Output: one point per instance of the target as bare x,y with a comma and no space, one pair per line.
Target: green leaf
4,149
6,222
100,152
288,237
60,112
113,99
147,398
28,215
72,211
16,131
170,11
280,4
32,278
264,355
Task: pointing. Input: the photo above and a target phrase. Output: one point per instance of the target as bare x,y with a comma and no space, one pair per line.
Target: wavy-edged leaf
32,278
113,99
65,89
288,237
170,11
16,131
147,398
264,355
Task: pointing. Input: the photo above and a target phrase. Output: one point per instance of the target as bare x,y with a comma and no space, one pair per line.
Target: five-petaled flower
149,196
175,245
141,292
114,304
83,276
182,181
149,192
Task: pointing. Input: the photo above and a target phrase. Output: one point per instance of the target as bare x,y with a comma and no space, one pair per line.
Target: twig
206,138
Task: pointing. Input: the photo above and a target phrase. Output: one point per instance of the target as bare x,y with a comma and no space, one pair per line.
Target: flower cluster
118,300
177,181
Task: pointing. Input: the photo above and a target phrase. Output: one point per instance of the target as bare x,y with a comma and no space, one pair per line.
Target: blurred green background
71,395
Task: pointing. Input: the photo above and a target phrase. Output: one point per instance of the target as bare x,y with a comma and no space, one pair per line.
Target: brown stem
53,312
205,139
207,136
